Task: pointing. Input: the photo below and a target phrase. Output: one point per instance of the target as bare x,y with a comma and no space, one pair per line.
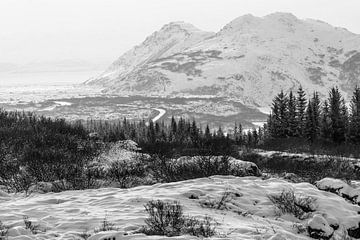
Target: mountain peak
249,60
241,23
180,25
282,15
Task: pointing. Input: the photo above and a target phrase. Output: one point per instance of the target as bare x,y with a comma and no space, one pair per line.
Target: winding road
161,113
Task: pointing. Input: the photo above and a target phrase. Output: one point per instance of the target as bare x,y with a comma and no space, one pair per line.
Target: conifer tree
283,114
336,113
194,133
312,124
325,122
255,137
220,133
279,116
354,121
300,111
151,132
173,129
309,131
316,109
238,133
207,134
292,123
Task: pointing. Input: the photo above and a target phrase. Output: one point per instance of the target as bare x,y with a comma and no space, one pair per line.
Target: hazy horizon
94,33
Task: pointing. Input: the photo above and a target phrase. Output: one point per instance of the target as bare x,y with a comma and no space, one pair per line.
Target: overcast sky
99,31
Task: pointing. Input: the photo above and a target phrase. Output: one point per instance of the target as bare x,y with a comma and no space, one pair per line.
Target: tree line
331,120
179,136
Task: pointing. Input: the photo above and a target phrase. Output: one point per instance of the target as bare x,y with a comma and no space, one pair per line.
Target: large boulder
341,188
319,228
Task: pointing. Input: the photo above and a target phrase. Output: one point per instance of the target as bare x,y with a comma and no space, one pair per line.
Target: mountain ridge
249,60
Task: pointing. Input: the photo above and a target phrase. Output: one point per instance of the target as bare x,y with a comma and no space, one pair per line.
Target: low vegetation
39,149
307,168
105,226
221,203
36,149
167,219
3,231
34,228
288,202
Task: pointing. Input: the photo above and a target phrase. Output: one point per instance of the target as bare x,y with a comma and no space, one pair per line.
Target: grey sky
101,30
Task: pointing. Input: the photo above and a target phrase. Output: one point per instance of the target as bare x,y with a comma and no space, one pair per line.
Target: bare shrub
288,202
125,172
105,226
167,219
169,170
34,228
3,230
310,168
85,235
221,203
200,227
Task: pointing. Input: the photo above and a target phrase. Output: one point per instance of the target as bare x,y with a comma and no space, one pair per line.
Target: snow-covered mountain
250,60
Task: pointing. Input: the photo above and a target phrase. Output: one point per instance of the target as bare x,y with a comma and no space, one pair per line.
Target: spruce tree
300,111
354,121
336,113
279,117
309,131
207,134
312,122
325,122
292,123
194,133
316,109
220,134
255,137
173,129
238,134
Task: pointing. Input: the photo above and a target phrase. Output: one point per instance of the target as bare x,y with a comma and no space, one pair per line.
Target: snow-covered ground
56,104
248,215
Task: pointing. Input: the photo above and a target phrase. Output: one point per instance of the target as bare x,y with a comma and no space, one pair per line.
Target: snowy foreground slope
250,60
249,214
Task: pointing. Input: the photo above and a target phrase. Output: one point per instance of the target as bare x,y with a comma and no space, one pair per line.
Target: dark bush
36,148
318,147
309,168
3,230
126,172
105,226
288,202
169,170
167,219
221,203
200,227
34,228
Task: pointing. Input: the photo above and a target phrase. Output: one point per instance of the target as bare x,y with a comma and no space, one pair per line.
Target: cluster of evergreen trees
161,137
293,115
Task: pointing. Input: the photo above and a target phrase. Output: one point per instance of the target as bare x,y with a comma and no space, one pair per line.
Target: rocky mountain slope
249,60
